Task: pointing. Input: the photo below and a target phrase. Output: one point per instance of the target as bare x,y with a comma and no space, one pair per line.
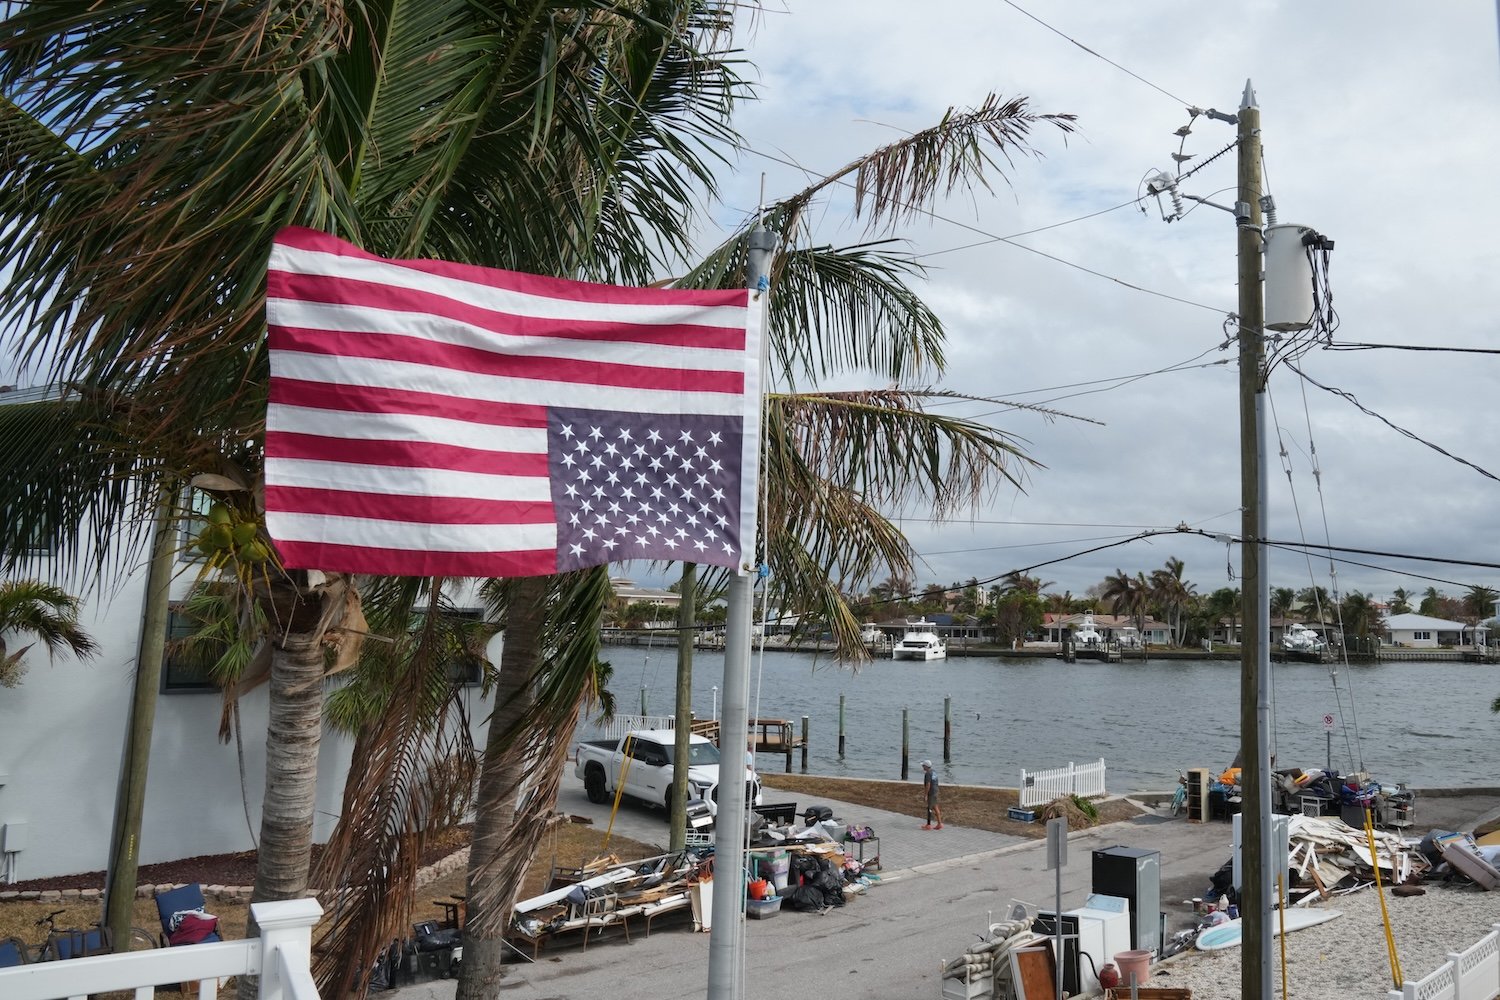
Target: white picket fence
281,957
1041,787
1471,974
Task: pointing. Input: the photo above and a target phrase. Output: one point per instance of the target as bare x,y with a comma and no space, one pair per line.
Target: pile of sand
1347,957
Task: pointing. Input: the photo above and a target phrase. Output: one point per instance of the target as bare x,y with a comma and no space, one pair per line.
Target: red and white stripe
406,431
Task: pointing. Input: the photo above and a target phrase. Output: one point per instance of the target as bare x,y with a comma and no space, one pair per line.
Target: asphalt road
940,891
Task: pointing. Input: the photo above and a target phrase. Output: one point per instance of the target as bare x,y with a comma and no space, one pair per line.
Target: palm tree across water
43,613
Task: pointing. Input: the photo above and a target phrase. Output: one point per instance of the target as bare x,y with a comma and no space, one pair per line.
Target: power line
990,237
1352,346
1029,232
1349,396
1096,55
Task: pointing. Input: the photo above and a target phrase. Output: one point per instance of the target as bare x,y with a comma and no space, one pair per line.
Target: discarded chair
188,898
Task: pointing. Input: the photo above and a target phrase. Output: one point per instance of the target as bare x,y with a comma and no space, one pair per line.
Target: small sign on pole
1328,721
1057,843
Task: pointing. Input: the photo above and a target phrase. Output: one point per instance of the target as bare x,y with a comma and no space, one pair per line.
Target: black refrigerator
1134,873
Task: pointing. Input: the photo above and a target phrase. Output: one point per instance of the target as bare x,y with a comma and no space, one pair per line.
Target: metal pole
1255,671
727,933
686,614
643,704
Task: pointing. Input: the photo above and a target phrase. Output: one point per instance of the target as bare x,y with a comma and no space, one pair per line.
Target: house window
184,670
195,504
1421,635
468,667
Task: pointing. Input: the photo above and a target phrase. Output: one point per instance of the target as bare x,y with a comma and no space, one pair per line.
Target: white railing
281,957
1041,787
622,724
1472,974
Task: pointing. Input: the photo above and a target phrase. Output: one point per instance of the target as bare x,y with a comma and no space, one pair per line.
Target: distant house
1426,632
1055,628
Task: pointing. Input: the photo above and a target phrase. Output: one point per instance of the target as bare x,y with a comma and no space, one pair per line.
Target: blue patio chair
189,897
12,952
63,945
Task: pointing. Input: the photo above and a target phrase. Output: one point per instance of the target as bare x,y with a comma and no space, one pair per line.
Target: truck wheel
593,784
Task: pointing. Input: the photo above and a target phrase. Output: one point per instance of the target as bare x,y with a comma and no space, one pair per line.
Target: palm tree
1314,600
1283,600
44,613
1128,595
1400,601
1015,581
1173,593
1432,599
1358,616
1479,603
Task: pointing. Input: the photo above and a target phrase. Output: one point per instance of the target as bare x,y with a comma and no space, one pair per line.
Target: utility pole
1255,606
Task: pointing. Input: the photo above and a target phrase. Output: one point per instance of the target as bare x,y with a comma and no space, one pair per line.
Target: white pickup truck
649,776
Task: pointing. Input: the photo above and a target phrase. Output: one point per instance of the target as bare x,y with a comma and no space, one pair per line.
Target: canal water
1425,724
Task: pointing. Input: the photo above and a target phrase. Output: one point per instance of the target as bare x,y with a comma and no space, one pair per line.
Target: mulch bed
220,869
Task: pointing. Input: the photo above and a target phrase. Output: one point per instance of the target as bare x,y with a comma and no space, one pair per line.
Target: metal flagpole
726,934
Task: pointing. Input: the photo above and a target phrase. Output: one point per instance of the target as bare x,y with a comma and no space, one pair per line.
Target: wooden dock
764,736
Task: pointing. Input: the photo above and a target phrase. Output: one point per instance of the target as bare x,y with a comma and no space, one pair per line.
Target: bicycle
1179,797
77,942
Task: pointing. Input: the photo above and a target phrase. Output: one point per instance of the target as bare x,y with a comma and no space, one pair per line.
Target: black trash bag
1429,849
803,898
443,939
804,868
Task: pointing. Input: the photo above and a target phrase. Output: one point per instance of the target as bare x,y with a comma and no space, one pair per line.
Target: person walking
930,783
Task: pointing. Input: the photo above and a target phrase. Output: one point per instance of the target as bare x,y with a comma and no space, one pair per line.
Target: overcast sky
1381,131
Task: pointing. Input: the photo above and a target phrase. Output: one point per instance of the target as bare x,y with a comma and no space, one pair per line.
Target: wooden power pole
1255,667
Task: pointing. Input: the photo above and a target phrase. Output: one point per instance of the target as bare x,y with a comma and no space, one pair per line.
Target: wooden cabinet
1198,780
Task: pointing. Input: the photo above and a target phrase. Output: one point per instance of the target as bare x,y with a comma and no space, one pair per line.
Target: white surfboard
1228,935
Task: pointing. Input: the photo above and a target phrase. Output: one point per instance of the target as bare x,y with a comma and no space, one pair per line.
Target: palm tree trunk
292,736
500,778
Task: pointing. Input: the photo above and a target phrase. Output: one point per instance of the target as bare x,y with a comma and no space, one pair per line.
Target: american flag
429,418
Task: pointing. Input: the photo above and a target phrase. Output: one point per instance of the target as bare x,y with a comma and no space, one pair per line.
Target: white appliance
1103,932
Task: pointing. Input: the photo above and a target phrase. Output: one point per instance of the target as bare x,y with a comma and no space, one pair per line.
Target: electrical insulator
1289,278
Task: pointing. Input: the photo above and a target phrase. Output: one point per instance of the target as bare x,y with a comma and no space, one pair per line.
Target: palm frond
885,446
897,181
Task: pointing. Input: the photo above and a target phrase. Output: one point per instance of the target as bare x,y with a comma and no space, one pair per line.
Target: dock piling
948,729
905,743
804,744
841,725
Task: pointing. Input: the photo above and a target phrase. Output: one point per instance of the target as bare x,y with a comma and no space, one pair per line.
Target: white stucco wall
62,735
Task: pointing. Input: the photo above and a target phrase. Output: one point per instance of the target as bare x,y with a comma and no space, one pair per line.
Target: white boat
919,644
1129,638
1298,638
1085,634
870,635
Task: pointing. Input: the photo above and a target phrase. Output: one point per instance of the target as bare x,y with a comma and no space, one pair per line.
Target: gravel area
1346,957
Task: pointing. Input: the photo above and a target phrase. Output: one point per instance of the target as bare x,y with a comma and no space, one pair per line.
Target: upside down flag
429,418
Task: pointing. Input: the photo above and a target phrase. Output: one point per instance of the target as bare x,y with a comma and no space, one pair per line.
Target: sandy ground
1347,956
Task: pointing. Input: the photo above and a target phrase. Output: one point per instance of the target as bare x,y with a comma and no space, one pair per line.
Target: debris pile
985,969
